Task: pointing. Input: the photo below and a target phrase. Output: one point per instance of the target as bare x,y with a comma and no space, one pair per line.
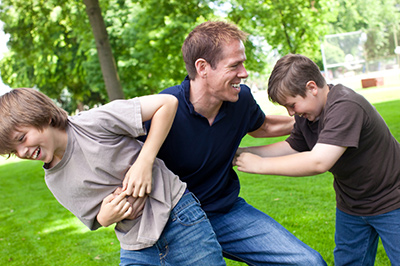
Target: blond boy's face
35,144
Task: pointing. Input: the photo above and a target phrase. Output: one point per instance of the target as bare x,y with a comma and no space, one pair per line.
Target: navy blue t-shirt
201,155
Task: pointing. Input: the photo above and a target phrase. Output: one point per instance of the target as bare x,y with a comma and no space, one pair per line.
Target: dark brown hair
27,107
290,75
206,41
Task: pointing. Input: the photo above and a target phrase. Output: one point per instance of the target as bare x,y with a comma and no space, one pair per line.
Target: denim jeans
251,236
357,238
187,239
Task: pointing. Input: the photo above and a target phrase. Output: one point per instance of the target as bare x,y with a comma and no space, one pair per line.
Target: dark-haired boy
336,130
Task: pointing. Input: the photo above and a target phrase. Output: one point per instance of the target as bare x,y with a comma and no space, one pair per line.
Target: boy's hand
137,204
248,162
114,208
138,179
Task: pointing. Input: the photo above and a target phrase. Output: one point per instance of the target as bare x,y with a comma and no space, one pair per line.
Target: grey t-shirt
367,175
101,147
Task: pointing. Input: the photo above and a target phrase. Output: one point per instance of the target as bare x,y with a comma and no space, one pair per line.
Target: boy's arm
161,109
319,160
271,150
274,126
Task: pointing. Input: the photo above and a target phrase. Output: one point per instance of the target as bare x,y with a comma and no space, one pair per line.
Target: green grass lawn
36,230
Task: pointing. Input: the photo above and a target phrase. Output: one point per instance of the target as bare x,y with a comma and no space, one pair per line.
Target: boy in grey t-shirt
89,157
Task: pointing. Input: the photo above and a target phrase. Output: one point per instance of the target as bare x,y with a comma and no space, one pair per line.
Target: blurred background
50,45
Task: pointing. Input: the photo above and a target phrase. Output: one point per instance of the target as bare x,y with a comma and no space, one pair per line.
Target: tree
50,48
104,51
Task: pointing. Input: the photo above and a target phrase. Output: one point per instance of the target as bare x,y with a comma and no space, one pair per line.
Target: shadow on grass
36,230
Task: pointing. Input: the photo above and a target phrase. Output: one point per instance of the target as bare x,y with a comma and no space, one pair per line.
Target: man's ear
201,67
312,87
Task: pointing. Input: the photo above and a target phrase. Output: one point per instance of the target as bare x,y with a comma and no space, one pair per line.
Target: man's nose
243,72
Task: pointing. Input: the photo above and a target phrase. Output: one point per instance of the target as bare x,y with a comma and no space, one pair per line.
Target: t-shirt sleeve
296,139
342,124
119,117
257,116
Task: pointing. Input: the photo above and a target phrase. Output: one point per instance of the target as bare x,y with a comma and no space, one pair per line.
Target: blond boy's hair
27,107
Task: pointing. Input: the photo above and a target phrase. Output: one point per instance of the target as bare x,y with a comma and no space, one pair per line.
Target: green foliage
49,48
294,26
52,46
148,47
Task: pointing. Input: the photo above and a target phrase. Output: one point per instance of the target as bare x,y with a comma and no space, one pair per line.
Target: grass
36,230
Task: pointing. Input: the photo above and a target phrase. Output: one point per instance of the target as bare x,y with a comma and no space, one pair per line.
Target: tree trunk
107,62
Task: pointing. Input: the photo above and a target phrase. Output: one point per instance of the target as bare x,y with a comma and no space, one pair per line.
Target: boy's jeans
187,239
357,238
249,235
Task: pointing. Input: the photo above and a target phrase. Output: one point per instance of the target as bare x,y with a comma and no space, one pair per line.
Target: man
214,113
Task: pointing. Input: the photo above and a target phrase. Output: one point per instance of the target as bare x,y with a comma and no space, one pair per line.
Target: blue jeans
187,239
357,238
251,236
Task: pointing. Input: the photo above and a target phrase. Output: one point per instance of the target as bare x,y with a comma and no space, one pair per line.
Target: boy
87,157
336,130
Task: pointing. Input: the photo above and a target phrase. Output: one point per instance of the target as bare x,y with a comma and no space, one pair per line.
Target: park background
51,47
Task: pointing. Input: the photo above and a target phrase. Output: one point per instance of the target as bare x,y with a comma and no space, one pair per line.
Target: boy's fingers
142,192
137,191
109,198
129,189
128,212
148,191
120,198
126,207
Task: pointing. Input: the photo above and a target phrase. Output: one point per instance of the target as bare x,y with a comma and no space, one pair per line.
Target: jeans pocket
190,214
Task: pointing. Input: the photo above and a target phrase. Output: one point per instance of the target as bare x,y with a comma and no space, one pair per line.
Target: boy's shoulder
340,93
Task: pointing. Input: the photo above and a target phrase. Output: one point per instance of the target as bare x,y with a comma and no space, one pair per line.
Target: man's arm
274,126
319,160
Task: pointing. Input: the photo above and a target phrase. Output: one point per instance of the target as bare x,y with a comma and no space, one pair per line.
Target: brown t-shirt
101,147
367,175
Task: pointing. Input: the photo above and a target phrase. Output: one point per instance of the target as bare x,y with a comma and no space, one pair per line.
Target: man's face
34,144
223,82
